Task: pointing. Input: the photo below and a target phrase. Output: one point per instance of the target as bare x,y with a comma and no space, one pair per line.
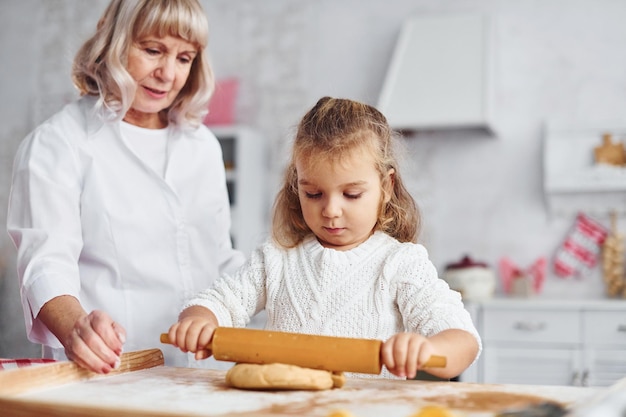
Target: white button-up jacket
91,220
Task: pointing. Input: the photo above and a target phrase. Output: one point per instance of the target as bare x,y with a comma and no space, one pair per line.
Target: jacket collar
97,115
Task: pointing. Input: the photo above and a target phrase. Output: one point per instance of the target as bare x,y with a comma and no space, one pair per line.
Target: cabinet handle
529,327
621,328
585,379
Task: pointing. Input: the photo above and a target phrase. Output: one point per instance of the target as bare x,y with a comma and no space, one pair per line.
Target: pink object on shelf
514,278
223,103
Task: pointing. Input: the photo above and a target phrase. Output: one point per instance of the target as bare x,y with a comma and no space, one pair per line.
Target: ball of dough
278,376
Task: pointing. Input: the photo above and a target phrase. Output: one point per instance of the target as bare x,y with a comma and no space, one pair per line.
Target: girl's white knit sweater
380,288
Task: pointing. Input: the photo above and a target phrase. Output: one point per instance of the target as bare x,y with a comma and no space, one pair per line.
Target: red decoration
535,275
581,248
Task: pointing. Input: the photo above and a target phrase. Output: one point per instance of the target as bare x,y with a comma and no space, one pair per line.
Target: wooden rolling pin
339,354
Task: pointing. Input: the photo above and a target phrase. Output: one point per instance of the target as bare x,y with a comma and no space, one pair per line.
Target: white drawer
605,327
536,326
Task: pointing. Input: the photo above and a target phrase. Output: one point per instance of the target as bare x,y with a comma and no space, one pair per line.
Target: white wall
479,195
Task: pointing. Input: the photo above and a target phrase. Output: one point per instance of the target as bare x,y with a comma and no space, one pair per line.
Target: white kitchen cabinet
602,367
244,158
524,364
550,342
605,339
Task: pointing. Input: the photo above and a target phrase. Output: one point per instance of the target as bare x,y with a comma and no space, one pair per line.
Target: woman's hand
94,341
405,353
194,331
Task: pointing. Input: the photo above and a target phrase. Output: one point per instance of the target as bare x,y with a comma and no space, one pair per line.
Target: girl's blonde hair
99,67
329,131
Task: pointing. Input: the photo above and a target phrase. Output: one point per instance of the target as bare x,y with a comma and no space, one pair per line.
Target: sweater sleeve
425,301
236,298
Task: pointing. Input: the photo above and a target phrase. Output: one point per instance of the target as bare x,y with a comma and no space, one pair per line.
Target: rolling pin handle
436,361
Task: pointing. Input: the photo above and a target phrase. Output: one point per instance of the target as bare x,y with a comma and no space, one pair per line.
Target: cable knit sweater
372,291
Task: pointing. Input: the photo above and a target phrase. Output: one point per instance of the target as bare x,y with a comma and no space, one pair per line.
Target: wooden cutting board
144,387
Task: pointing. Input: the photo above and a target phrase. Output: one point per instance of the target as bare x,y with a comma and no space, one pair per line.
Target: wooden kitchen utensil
19,380
610,153
613,261
330,353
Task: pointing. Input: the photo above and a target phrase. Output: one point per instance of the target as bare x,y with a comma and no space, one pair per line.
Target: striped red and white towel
22,363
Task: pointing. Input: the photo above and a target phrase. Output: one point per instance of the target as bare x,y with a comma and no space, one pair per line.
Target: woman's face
160,66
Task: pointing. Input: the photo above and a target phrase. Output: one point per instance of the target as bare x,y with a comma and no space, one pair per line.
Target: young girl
342,261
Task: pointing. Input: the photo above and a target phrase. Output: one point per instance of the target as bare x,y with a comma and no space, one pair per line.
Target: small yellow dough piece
433,411
339,379
340,413
278,376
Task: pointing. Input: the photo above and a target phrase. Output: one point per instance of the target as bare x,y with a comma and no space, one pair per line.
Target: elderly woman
119,208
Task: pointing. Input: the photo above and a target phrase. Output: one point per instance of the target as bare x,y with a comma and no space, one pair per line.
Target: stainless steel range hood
439,76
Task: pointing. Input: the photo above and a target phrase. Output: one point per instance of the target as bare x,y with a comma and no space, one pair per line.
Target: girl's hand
405,353
194,331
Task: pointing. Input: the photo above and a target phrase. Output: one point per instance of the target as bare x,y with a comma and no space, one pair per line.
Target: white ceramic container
474,280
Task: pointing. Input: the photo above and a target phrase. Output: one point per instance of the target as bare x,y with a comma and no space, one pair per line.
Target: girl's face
340,201
160,66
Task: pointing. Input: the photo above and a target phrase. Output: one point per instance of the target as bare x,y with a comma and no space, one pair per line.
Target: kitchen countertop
525,303
155,390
